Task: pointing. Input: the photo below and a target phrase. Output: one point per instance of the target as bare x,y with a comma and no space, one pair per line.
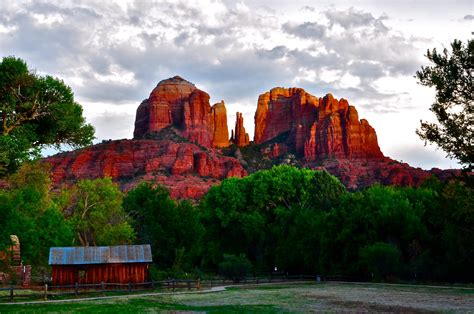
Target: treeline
298,220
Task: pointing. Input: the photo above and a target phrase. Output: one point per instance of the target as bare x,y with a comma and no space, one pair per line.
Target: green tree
381,259
271,216
35,112
235,267
377,214
173,229
450,223
28,211
94,208
451,75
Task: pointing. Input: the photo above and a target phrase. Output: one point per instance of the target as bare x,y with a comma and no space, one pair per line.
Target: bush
381,259
235,267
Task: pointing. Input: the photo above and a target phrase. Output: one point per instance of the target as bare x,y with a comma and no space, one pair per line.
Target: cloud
469,17
219,45
305,30
113,125
353,18
111,53
426,157
308,8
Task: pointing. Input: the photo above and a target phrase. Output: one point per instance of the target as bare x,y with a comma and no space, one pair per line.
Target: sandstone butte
178,103
179,140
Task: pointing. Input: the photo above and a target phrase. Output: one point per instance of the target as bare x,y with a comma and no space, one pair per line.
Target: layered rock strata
186,169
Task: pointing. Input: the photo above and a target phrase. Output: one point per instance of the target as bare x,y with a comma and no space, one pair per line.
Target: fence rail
46,291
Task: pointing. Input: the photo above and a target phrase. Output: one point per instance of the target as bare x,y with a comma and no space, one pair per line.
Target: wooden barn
96,264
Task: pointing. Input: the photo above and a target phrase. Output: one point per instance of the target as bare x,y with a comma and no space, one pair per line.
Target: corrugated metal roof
100,254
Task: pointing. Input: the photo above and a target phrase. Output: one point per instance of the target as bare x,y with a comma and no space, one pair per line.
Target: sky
113,53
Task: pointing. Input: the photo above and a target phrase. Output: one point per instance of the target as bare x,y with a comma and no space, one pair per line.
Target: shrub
381,259
235,267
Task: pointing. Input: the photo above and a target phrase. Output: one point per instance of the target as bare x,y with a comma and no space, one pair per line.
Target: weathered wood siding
97,273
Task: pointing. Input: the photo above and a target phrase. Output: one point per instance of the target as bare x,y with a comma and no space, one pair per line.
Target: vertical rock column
219,121
240,137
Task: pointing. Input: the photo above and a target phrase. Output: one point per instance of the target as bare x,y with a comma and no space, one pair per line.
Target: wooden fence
47,292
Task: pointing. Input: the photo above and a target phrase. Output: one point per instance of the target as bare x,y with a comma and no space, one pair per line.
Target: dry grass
300,298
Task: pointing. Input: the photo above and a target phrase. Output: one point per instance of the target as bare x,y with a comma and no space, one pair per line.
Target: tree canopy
94,209
28,211
172,228
270,216
451,74
298,220
36,111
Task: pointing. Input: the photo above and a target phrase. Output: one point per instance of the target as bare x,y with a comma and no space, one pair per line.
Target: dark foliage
451,75
35,112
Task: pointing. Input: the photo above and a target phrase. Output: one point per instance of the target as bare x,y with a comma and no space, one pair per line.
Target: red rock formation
178,103
197,122
282,110
322,133
310,144
359,173
187,170
219,121
240,137
316,128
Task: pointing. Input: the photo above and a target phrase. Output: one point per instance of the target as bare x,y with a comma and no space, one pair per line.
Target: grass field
298,298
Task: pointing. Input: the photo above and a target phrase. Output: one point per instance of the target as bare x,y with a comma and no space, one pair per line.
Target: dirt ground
344,297
297,298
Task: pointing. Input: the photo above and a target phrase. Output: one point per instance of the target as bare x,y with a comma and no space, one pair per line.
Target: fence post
11,293
152,285
102,287
45,291
129,287
76,289
198,285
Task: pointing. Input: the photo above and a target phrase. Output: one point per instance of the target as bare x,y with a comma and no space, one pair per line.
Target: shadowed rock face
178,136
318,128
178,103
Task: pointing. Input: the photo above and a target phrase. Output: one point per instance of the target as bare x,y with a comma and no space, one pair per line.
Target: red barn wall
97,273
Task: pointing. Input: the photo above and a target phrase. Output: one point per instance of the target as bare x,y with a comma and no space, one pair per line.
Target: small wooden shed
96,264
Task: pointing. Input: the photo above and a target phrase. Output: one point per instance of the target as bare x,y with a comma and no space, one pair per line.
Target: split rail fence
49,292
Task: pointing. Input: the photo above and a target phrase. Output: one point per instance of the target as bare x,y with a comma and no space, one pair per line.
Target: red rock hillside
178,141
186,169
